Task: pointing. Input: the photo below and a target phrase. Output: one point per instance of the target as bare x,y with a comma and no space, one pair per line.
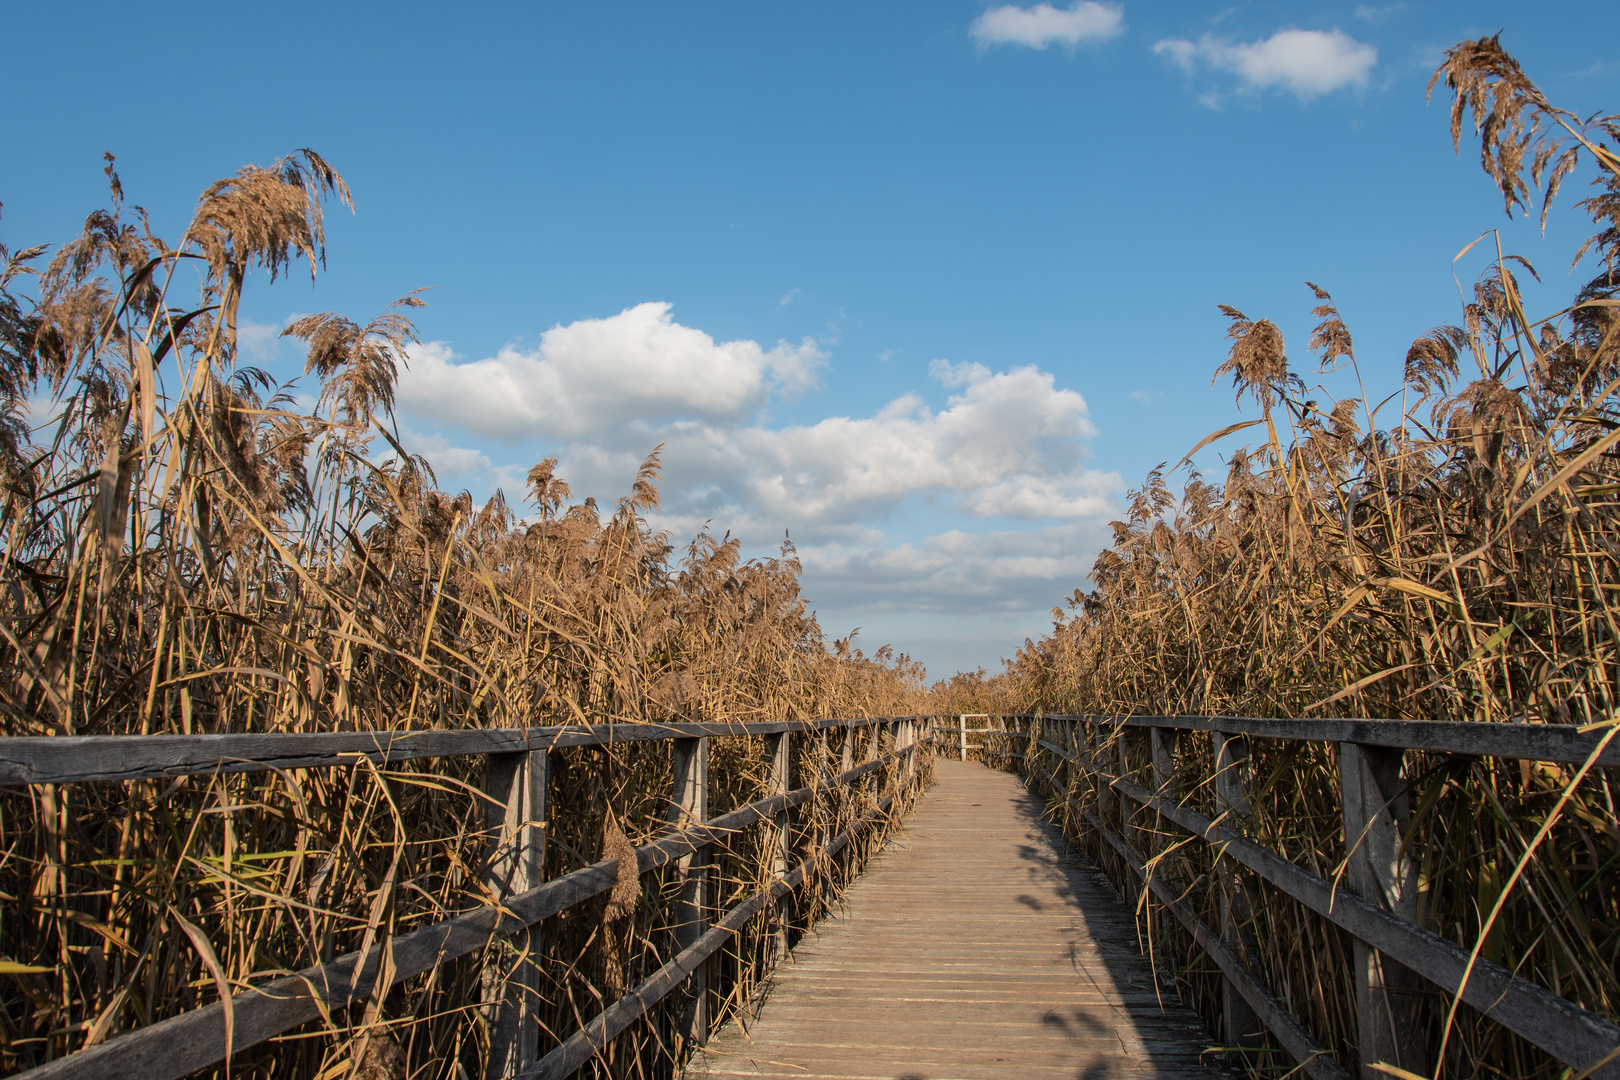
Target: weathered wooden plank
1565,743
53,759
1377,815
1314,1058
974,936
517,786
689,803
1571,1034
180,1045
586,1043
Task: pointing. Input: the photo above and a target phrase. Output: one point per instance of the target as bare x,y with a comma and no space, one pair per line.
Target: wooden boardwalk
972,947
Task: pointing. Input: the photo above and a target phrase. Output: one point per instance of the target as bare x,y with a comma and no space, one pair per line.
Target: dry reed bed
1456,559
186,550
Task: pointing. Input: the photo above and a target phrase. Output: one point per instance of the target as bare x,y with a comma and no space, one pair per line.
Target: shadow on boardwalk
974,948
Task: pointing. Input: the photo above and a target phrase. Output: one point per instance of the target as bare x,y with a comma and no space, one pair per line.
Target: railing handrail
62,759
1567,744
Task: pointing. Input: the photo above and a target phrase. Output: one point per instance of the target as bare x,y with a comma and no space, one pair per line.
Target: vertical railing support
1092,744
1067,769
1127,739
516,824
1376,814
780,750
1164,742
1242,1026
689,759
961,726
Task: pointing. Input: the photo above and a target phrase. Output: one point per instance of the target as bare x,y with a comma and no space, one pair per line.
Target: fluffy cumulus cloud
1306,63
587,375
449,462
1008,446
958,572
983,498
1043,25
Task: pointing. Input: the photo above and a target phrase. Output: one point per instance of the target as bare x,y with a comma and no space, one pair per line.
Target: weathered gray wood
779,748
77,758
181,1045
1566,1031
1164,743
690,799
589,1041
516,785
1138,838
1242,1026
1317,1061
1376,815
1564,743
975,936
80,758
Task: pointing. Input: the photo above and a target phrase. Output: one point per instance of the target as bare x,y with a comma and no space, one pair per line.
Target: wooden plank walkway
973,948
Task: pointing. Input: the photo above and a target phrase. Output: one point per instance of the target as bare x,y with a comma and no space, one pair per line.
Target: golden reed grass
186,550
1446,549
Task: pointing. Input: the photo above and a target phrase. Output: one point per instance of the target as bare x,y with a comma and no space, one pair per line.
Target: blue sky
928,284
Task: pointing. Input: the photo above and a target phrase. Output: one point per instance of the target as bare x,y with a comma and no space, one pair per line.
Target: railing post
961,726
1164,742
516,822
1092,743
827,802
909,727
780,749
1242,1025
1128,738
1032,747
689,760
1072,735
1376,814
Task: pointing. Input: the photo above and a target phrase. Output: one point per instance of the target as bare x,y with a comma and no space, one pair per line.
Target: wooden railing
516,788
1092,765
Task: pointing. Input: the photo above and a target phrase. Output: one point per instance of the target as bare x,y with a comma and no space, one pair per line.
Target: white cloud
892,511
963,374
958,572
1041,25
1007,446
1307,63
258,341
448,462
595,373
1378,15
